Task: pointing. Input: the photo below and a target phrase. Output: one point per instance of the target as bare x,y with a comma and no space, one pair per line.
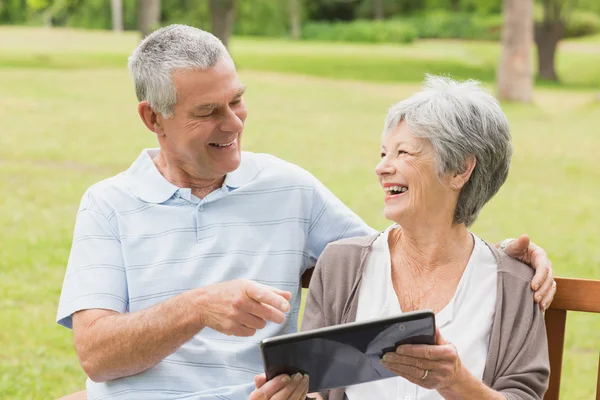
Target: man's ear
459,180
151,118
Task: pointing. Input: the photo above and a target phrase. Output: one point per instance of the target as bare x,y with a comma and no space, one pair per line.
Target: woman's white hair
165,50
460,119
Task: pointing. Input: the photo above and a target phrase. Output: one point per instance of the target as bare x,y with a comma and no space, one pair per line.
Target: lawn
68,120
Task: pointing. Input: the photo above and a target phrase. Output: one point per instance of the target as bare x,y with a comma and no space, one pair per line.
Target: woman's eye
400,152
382,155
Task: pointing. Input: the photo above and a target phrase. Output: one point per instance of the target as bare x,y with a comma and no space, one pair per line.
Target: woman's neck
427,264
427,247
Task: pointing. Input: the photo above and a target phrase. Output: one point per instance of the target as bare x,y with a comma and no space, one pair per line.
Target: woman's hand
432,367
282,387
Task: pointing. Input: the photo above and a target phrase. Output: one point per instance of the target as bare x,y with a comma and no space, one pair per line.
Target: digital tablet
347,354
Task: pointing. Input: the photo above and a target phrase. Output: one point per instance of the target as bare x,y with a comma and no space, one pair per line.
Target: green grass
577,61
66,127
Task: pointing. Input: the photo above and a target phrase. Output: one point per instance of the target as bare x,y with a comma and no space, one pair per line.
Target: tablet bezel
334,330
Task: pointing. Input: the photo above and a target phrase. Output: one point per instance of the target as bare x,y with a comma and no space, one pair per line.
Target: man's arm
111,345
524,250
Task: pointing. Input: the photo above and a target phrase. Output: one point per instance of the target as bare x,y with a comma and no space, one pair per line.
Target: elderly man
183,263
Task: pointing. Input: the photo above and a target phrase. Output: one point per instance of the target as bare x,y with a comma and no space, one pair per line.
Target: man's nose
231,122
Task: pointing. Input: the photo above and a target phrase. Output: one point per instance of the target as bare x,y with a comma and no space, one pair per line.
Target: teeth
400,189
224,145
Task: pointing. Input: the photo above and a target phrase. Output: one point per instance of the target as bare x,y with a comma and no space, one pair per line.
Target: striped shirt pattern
140,240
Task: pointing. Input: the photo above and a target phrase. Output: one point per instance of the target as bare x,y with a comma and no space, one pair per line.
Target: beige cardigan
517,362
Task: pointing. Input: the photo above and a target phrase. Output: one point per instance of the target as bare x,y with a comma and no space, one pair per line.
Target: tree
294,8
548,33
515,75
378,9
149,16
117,15
222,16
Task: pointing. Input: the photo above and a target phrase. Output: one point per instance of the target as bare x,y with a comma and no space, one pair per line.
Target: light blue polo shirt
140,240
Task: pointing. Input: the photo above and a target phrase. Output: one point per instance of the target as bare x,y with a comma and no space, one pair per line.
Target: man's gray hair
460,119
165,50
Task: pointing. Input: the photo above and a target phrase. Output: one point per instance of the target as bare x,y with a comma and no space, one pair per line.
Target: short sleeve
331,220
95,276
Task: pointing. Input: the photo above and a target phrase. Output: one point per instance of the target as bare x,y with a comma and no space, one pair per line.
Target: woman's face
407,172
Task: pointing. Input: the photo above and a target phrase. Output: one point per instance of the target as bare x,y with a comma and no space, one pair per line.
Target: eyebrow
212,106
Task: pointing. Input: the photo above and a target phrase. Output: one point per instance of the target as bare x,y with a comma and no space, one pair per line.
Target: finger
251,321
439,340
404,371
283,293
548,298
518,248
274,386
301,390
240,330
428,352
446,352
265,294
260,380
545,288
290,387
419,363
263,311
539,261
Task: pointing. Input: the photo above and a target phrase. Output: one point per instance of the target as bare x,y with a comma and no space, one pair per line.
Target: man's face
203,136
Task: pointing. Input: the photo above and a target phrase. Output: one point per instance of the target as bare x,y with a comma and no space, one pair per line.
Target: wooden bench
571,295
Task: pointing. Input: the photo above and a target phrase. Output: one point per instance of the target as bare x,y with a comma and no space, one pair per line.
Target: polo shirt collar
244,174
148,184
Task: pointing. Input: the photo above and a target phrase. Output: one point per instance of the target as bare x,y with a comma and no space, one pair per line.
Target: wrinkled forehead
216,84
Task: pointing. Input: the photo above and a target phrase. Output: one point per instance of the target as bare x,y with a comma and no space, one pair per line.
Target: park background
320,75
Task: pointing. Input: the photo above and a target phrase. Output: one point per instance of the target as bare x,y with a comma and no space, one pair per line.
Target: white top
466,321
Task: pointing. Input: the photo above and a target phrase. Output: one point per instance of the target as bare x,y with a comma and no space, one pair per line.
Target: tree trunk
295,18
149,16
117,15
515,75
378,9
547,36
222,16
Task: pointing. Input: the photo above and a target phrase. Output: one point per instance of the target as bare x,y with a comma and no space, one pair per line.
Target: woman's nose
384,168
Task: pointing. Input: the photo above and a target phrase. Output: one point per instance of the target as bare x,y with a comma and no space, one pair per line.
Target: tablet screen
347,354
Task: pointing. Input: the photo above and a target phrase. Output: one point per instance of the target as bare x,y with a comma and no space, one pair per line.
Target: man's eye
205,115
235,102
400,152
382,155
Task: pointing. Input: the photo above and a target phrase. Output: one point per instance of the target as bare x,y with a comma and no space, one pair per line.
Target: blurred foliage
361,31
582,23
451,25
352,19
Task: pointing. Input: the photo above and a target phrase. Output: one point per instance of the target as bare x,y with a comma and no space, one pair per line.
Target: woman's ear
459,180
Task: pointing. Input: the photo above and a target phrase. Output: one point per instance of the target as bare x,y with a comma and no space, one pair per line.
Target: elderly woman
445,153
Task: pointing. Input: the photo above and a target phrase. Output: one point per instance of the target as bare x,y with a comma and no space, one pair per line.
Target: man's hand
283,387
524,250
241,307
